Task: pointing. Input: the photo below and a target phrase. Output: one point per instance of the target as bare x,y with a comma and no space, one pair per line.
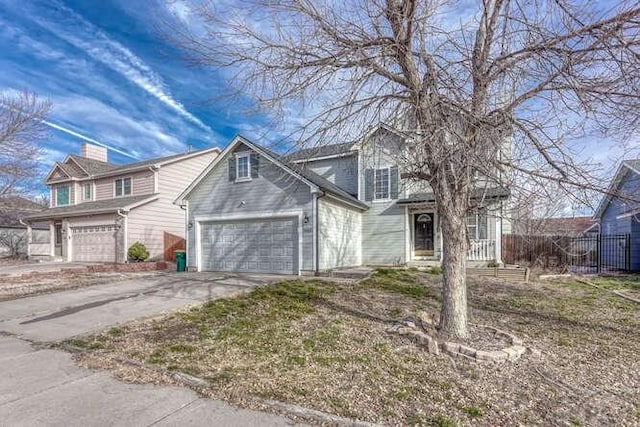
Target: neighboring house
335,206
618,214
99,209
13,232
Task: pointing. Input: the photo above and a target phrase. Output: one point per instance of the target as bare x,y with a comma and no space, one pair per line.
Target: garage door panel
261,245
96,243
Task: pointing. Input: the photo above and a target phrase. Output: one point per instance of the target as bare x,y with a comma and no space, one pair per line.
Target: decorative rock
409,324
497,355
515,340
534,352
514,352
450,347
483,355
425,318
467,351
404,330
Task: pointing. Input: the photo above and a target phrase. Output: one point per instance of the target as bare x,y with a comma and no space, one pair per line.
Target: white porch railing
482,250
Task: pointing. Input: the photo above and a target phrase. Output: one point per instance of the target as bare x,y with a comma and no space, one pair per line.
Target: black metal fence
584,254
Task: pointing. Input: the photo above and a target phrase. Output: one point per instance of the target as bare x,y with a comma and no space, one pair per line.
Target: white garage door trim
243,217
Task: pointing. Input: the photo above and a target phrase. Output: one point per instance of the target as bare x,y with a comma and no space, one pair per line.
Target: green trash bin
181,260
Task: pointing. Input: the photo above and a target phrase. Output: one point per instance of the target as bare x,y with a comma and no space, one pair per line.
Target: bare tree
21,128
460,80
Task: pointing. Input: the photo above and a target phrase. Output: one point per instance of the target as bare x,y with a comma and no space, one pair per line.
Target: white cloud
85,36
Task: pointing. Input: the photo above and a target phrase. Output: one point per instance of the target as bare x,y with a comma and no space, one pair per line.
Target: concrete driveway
45,387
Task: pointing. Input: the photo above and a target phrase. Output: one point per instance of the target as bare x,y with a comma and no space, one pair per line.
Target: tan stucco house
99,209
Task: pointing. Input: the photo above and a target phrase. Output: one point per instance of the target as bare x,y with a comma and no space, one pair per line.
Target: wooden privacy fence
586,254
172,243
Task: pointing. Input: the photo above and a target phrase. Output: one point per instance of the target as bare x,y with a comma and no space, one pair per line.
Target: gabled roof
310,153
93,208
632,165
92,166
97,168
561,225
315,181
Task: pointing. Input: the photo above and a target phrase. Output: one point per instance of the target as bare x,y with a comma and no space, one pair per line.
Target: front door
423,234
58,241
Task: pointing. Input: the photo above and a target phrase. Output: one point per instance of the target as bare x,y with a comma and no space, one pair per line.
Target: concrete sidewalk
41,267
44,387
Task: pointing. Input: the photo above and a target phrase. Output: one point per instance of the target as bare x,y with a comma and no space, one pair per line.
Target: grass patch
473,412
399,281
325,346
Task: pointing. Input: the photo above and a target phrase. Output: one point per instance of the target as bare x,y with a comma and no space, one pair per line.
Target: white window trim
247,155
115,186
68,194
91,192
375,171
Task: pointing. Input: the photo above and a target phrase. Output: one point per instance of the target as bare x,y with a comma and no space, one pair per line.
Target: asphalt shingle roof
110,205
319,151
92,166
476,194
321,182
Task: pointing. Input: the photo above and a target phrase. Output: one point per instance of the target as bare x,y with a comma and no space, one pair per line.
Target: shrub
493,263
138,252
435,269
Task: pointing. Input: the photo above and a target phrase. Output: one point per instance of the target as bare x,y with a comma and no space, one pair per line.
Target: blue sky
112,78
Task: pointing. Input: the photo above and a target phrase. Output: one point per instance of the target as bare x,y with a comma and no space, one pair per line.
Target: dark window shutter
232,169
393,182
368,185
255,164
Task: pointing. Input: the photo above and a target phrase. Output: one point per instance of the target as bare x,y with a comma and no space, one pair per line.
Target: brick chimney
94,152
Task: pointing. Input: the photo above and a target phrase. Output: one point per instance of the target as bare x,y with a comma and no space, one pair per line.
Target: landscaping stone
467,351
534,352
498,355
450,347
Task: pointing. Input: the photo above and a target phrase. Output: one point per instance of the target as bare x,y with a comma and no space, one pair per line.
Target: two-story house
340,205
99,209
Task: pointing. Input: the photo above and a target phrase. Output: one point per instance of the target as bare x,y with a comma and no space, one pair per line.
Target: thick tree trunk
453,315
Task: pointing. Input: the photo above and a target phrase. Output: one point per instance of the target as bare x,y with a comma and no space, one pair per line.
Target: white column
29,240
498,239
407,235
52,239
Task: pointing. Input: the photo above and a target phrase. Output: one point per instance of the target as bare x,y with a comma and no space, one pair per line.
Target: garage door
259,246
95,243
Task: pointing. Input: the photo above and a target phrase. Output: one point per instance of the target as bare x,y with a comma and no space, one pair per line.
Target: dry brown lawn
325,346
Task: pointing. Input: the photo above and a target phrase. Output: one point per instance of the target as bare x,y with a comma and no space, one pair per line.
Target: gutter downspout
316,226
185,207
123,214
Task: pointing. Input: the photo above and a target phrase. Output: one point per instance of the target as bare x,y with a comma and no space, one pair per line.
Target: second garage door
260,246
95,243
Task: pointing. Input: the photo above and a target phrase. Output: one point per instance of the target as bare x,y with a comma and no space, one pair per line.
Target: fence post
627,252
599,246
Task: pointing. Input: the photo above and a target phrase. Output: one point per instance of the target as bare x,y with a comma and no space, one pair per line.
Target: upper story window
87,191
62,195
243,167
382,184
123,187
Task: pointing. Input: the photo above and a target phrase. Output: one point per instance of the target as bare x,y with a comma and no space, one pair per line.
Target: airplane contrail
86,138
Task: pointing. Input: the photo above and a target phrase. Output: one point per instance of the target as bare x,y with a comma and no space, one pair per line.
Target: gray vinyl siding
342,171
383,225
141,183
274,190
383,234
148,223
339,235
